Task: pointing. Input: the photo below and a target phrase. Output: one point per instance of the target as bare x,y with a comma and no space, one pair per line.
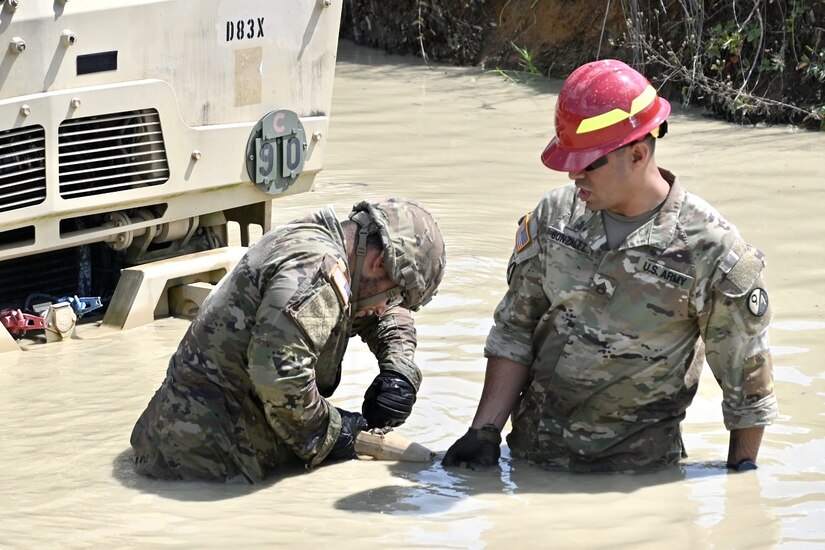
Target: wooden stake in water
389,445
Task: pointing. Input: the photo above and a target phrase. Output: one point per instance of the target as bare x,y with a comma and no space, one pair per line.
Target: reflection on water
467,145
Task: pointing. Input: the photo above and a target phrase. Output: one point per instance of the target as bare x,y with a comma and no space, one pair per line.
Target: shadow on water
433,489
426,489
123,471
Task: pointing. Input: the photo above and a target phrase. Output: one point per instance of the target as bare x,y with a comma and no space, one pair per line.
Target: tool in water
389,445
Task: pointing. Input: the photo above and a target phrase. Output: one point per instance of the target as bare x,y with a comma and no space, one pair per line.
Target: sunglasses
601,161
658,132
598,163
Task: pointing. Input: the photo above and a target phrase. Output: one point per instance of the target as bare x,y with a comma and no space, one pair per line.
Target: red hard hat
602,106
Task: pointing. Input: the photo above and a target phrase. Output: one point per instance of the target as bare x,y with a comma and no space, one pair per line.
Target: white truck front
133,131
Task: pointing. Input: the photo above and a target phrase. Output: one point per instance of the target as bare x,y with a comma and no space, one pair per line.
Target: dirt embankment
558,34
764,61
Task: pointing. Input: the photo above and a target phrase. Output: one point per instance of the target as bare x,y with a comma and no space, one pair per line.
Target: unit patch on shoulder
338,276
523,238
758,302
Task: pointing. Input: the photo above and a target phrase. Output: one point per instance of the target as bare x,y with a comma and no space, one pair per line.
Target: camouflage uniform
615,339
245,391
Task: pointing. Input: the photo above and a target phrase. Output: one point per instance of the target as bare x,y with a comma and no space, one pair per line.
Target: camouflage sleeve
392,339
525,302
293,322
735,332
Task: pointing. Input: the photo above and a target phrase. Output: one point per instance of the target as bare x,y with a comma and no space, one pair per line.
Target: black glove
344,448
477,447
743,466
388,401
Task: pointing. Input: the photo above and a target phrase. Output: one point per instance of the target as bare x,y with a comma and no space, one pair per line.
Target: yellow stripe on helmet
615,116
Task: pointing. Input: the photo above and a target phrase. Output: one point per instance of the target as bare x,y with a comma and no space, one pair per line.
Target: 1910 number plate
276,151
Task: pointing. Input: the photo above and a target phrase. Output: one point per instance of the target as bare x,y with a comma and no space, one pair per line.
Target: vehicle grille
22,167
87,270
54,273
110,153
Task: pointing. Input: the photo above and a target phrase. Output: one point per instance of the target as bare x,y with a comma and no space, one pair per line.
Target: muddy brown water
467,145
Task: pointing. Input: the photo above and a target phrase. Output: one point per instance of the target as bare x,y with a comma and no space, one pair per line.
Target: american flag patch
523,235
341,283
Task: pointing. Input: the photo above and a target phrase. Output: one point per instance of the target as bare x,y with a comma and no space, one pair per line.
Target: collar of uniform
660,231
588,224
326,217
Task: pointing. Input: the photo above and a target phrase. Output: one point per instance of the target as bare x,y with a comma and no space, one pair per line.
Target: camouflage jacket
246,390
615,339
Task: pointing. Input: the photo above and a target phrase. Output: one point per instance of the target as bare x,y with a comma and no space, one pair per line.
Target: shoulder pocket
316,311
742,267
743,287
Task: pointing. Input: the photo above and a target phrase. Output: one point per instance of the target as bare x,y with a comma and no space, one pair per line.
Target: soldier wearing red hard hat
620,286
604,105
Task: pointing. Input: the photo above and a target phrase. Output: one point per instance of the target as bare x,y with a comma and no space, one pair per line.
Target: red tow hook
18,323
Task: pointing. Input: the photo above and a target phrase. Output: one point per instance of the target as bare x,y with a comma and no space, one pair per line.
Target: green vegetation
744,60
758,60
527,71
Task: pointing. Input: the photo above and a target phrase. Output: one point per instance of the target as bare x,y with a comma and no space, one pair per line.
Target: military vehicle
133,134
